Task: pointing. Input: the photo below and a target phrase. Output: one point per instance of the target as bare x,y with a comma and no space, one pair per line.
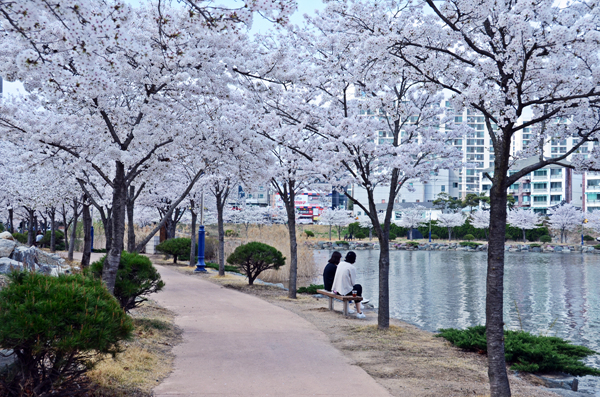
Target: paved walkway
239,345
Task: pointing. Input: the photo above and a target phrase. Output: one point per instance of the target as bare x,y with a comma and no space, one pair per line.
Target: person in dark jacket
329,272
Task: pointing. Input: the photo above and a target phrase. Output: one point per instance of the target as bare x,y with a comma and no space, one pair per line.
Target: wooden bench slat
344,299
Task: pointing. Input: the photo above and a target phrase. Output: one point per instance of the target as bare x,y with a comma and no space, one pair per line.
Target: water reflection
550,294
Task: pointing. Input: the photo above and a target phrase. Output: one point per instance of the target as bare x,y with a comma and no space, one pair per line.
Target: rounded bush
136,278
309,233
392,236
58,328
176,247
360,235
230,233
545,239
60,240
20,237
469,237
587,237
434,236
254,258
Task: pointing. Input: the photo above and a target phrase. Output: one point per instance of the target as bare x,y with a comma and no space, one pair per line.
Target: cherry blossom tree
337,217
565,218
451,220
514,64
412,217
524,219
480,219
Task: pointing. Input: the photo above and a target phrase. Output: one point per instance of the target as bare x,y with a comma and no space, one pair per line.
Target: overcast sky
260,26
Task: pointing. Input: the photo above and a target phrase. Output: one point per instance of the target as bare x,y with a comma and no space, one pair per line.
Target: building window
540,199
556,171
455,184
540,186
540,173
443,188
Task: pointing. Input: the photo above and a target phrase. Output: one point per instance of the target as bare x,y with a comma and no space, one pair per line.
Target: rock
7,265
26,255
536,249
558,249
6,247
6,236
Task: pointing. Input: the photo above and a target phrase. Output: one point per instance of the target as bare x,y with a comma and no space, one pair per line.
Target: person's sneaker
365,301
360,315
351,311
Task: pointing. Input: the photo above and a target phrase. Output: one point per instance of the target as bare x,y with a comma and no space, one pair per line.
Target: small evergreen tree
254,258
58,328
176,247
136,278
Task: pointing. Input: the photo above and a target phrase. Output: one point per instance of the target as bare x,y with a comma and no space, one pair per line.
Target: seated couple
340,278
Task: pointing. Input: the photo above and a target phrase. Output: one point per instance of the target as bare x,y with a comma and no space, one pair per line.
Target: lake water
549,294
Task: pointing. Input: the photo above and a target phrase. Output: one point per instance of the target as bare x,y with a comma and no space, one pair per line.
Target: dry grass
278,237
146,360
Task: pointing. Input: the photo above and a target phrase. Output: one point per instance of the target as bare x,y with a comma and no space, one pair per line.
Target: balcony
526,190
543,189
556,189
559,176
540,177
593,203
553,202
526,204
544,202
592,187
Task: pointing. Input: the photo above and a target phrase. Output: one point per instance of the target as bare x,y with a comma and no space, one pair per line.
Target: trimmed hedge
311,289
178,247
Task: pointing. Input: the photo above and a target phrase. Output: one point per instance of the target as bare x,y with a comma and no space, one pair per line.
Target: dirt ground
406,360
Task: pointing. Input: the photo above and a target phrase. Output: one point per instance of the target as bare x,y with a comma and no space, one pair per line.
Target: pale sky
260,26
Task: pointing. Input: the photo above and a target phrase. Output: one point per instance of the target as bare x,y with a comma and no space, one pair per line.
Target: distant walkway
239,345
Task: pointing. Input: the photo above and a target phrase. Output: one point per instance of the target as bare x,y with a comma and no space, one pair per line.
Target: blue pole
92,233
200,265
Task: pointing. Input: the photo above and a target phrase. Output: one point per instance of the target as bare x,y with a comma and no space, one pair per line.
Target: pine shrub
469,244
309,233
545,239
587,237
58,328
136,278
20,237
434,237
392,236
254,258
311,289
527,352
469,237
177,247
360,235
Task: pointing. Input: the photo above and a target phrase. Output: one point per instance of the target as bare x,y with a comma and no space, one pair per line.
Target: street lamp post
200,266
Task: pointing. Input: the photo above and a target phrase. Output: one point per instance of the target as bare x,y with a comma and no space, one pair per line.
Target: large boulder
26,255
6,236
6,247
8,265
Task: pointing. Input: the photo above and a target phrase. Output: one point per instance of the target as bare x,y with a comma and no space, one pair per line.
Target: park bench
344,299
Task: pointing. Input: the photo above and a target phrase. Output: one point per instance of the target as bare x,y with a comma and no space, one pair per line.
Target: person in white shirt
345,281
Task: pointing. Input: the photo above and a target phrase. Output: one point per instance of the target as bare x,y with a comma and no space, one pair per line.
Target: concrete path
239,345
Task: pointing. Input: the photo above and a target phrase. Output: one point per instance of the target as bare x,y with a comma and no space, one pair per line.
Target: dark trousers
357,288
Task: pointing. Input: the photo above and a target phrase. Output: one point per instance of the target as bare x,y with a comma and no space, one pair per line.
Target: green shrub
469,237
587,237
2,227
360,235
99,250
469,244
434,237
228,268
413,244
254,258
339,242
534,245
58,328
309,233
311,289
176,247
20,237
230,233
60,240
136,278
545,239
527,352
393,236
597,246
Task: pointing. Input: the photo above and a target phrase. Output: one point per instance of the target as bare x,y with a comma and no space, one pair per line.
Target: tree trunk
339,228
499,385
383,312
370,234
30,232
87,234
107,223
53,229
130,226
193,234
291,212
329,232
449,234
73,230
221,197
119,202
410,233
65,226
11,227
524,236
